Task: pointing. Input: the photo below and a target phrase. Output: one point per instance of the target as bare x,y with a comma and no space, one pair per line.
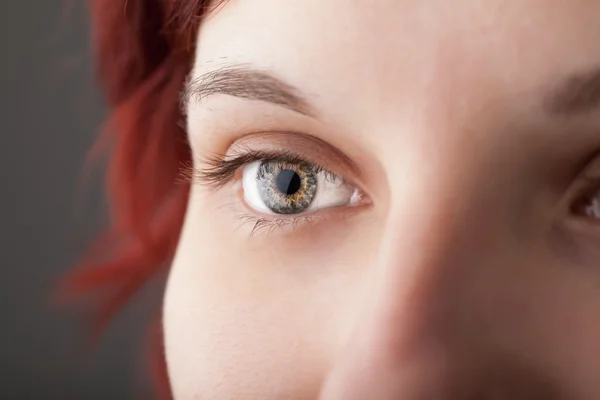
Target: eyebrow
245,82
577,94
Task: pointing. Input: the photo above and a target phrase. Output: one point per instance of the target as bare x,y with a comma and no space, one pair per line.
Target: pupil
288,182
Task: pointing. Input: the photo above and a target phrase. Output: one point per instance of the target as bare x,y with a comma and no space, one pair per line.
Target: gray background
49,115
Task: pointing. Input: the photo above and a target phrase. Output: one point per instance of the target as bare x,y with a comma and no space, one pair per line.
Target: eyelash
261,223
219,170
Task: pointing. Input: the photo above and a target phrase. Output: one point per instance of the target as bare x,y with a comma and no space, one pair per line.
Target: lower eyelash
270,225
262,224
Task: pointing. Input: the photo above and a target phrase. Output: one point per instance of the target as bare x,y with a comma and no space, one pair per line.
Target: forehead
403,55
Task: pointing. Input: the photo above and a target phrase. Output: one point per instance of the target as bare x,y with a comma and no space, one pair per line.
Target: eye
279,187
589,205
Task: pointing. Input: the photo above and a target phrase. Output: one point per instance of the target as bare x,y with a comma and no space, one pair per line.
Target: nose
440,316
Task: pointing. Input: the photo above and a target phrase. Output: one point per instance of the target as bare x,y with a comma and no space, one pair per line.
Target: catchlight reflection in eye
276,187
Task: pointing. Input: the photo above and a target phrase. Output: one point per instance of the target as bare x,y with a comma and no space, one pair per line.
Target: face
391,200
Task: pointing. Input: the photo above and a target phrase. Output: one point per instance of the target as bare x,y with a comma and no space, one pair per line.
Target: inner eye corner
585,201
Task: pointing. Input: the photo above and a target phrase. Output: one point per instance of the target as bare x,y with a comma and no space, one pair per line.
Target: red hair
143,52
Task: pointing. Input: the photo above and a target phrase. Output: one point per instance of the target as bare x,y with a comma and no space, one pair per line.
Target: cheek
240,323
219,346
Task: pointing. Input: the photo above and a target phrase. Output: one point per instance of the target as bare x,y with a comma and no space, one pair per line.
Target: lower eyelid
243,215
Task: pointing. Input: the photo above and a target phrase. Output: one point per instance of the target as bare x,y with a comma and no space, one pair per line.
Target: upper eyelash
220,169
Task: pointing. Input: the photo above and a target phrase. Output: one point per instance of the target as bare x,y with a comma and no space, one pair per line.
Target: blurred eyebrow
248,83
577,94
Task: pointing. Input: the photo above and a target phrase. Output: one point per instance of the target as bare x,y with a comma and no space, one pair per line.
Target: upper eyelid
291,146
220,170
303,143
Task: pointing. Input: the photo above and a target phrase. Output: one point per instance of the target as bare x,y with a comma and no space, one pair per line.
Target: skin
467,274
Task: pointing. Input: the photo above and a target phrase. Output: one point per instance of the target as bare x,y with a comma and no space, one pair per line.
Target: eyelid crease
309,147
216,169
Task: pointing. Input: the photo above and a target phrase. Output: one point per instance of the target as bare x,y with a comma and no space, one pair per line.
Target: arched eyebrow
245,82
576,94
